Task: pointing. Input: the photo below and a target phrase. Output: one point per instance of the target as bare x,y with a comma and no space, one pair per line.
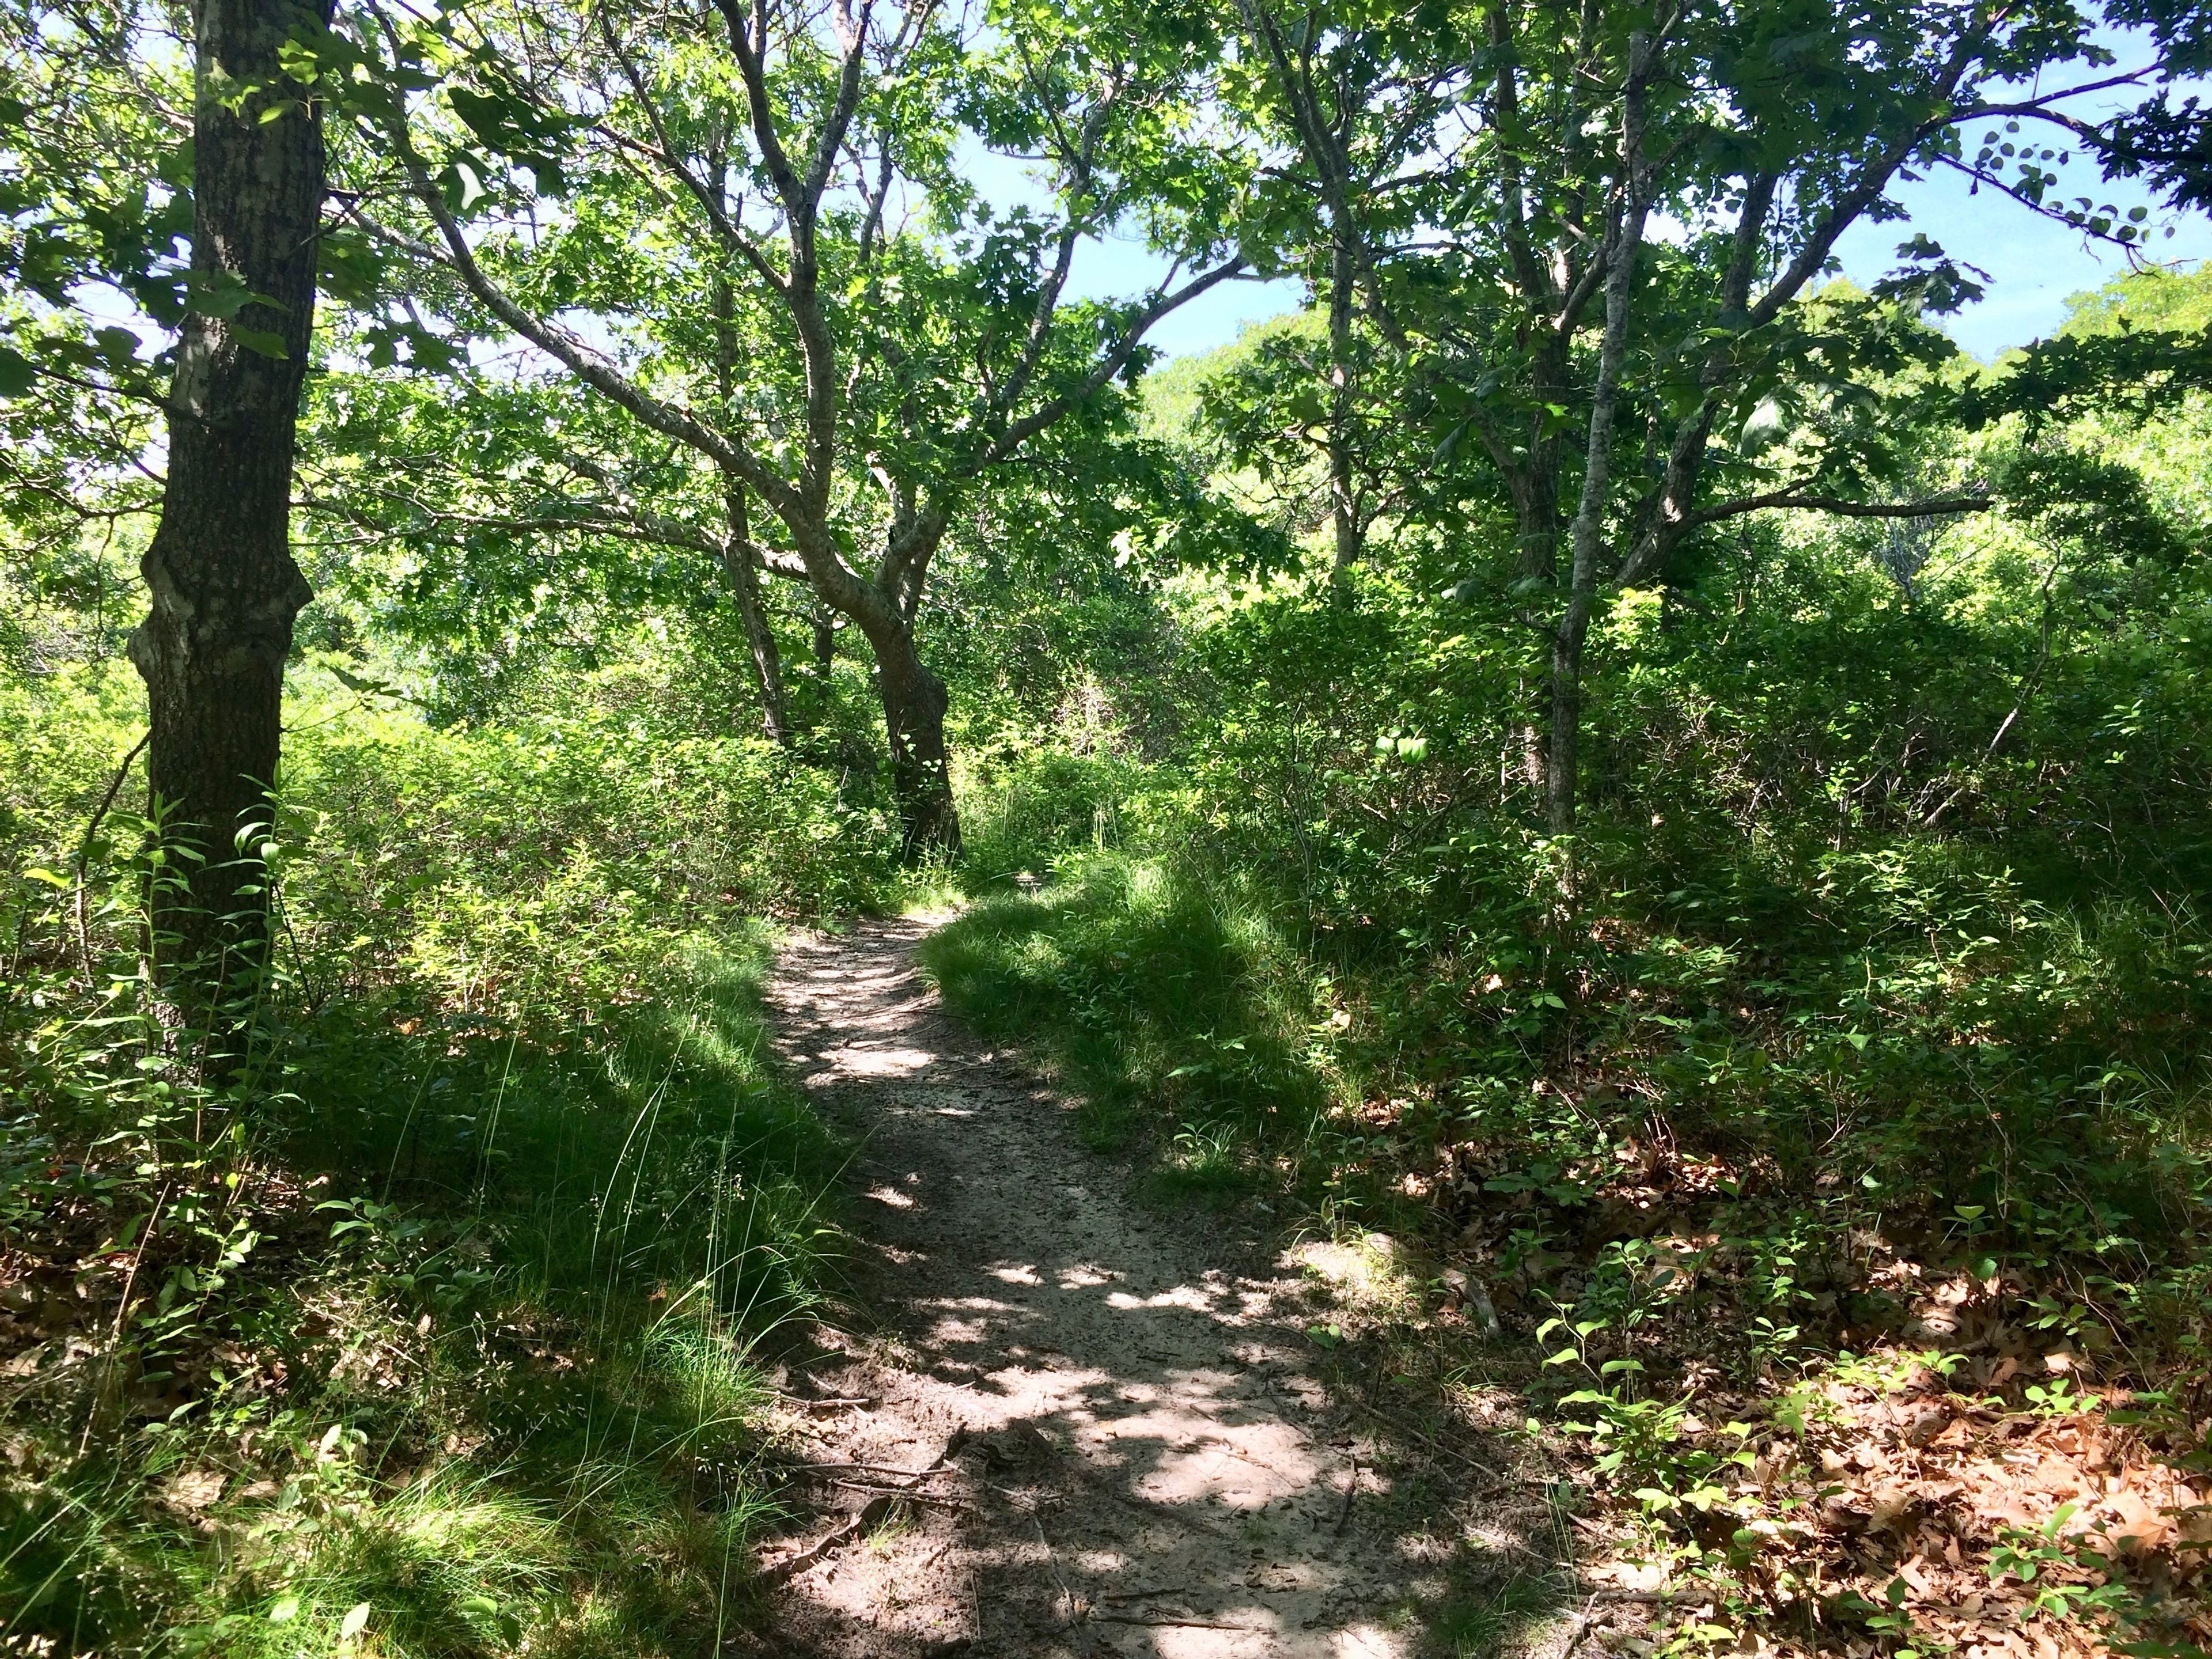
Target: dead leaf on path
1891,1501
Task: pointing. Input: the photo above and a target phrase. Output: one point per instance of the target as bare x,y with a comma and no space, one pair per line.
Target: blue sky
2033,265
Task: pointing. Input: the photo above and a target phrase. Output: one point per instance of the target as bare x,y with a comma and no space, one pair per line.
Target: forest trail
1127,1452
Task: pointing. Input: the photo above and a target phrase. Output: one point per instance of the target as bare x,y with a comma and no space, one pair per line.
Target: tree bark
914,702
738,547
1535,491
224,589
1343,497
760,638
1587,533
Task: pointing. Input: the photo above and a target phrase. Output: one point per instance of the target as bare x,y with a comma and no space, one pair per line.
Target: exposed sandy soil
1127,1448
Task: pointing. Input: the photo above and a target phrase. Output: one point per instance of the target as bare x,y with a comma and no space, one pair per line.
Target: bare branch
1928,507
1112,364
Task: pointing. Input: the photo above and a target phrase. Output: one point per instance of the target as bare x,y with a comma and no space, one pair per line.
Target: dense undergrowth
431,1327
1832,1169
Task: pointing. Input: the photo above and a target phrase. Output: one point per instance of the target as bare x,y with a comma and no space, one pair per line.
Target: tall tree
223,585
794,178
1606,376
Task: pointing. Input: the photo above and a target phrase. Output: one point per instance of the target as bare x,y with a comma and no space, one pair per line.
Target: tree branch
1114,361
1930,507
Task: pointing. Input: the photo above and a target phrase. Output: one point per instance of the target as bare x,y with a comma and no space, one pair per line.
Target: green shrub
432,1323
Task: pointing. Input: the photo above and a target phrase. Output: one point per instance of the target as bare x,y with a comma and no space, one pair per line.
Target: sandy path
1130,1454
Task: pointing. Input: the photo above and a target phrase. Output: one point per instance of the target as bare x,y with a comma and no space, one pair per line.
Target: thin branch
1931,507
1114,361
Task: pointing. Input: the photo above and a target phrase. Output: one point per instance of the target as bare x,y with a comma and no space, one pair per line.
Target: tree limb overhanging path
1099,1420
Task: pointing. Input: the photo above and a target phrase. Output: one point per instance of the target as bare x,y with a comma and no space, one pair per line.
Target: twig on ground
776,1572
1430,1441
913,1494
879,1468
1074,1607
1603,1601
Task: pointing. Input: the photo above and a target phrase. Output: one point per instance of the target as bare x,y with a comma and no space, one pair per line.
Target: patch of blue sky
2035,263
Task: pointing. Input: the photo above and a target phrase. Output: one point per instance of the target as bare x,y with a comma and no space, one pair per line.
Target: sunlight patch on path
1128,1454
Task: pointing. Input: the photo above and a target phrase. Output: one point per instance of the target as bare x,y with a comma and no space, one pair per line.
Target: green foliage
1171,1000
1875,965
432,1327
1870,970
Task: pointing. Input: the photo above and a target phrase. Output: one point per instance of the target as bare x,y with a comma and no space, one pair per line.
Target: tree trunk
760,638
738,547
224,589
1343,498
825,639
914,702
1562,756
1587,533
1535,491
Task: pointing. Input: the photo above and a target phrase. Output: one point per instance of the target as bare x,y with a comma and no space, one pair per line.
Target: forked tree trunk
224,589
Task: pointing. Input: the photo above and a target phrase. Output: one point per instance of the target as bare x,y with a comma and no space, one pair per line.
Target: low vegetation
434,1323
1817,1139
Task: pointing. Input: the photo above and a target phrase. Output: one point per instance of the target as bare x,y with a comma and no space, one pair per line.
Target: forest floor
1063,1419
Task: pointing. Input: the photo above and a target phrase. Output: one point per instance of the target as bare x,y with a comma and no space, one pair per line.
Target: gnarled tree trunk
914,702
224,589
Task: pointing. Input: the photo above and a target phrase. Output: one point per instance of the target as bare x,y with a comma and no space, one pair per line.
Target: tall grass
1170,1000
432,1328
1839,1059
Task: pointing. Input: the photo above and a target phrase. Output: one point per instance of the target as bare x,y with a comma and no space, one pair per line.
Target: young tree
761,209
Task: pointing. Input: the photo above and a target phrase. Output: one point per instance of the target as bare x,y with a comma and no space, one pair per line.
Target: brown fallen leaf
1891,1501
194,1490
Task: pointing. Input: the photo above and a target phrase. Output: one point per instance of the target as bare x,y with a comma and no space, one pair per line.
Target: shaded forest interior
1612,777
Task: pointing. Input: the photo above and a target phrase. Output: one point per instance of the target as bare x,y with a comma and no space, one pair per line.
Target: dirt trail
1126,1452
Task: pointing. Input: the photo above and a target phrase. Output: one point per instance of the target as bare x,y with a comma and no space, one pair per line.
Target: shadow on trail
1130,1450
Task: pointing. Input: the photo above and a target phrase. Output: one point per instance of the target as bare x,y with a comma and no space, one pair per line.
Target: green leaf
16,374
222,295
261,341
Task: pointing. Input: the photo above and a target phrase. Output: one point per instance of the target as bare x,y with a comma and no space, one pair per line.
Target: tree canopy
1596,786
